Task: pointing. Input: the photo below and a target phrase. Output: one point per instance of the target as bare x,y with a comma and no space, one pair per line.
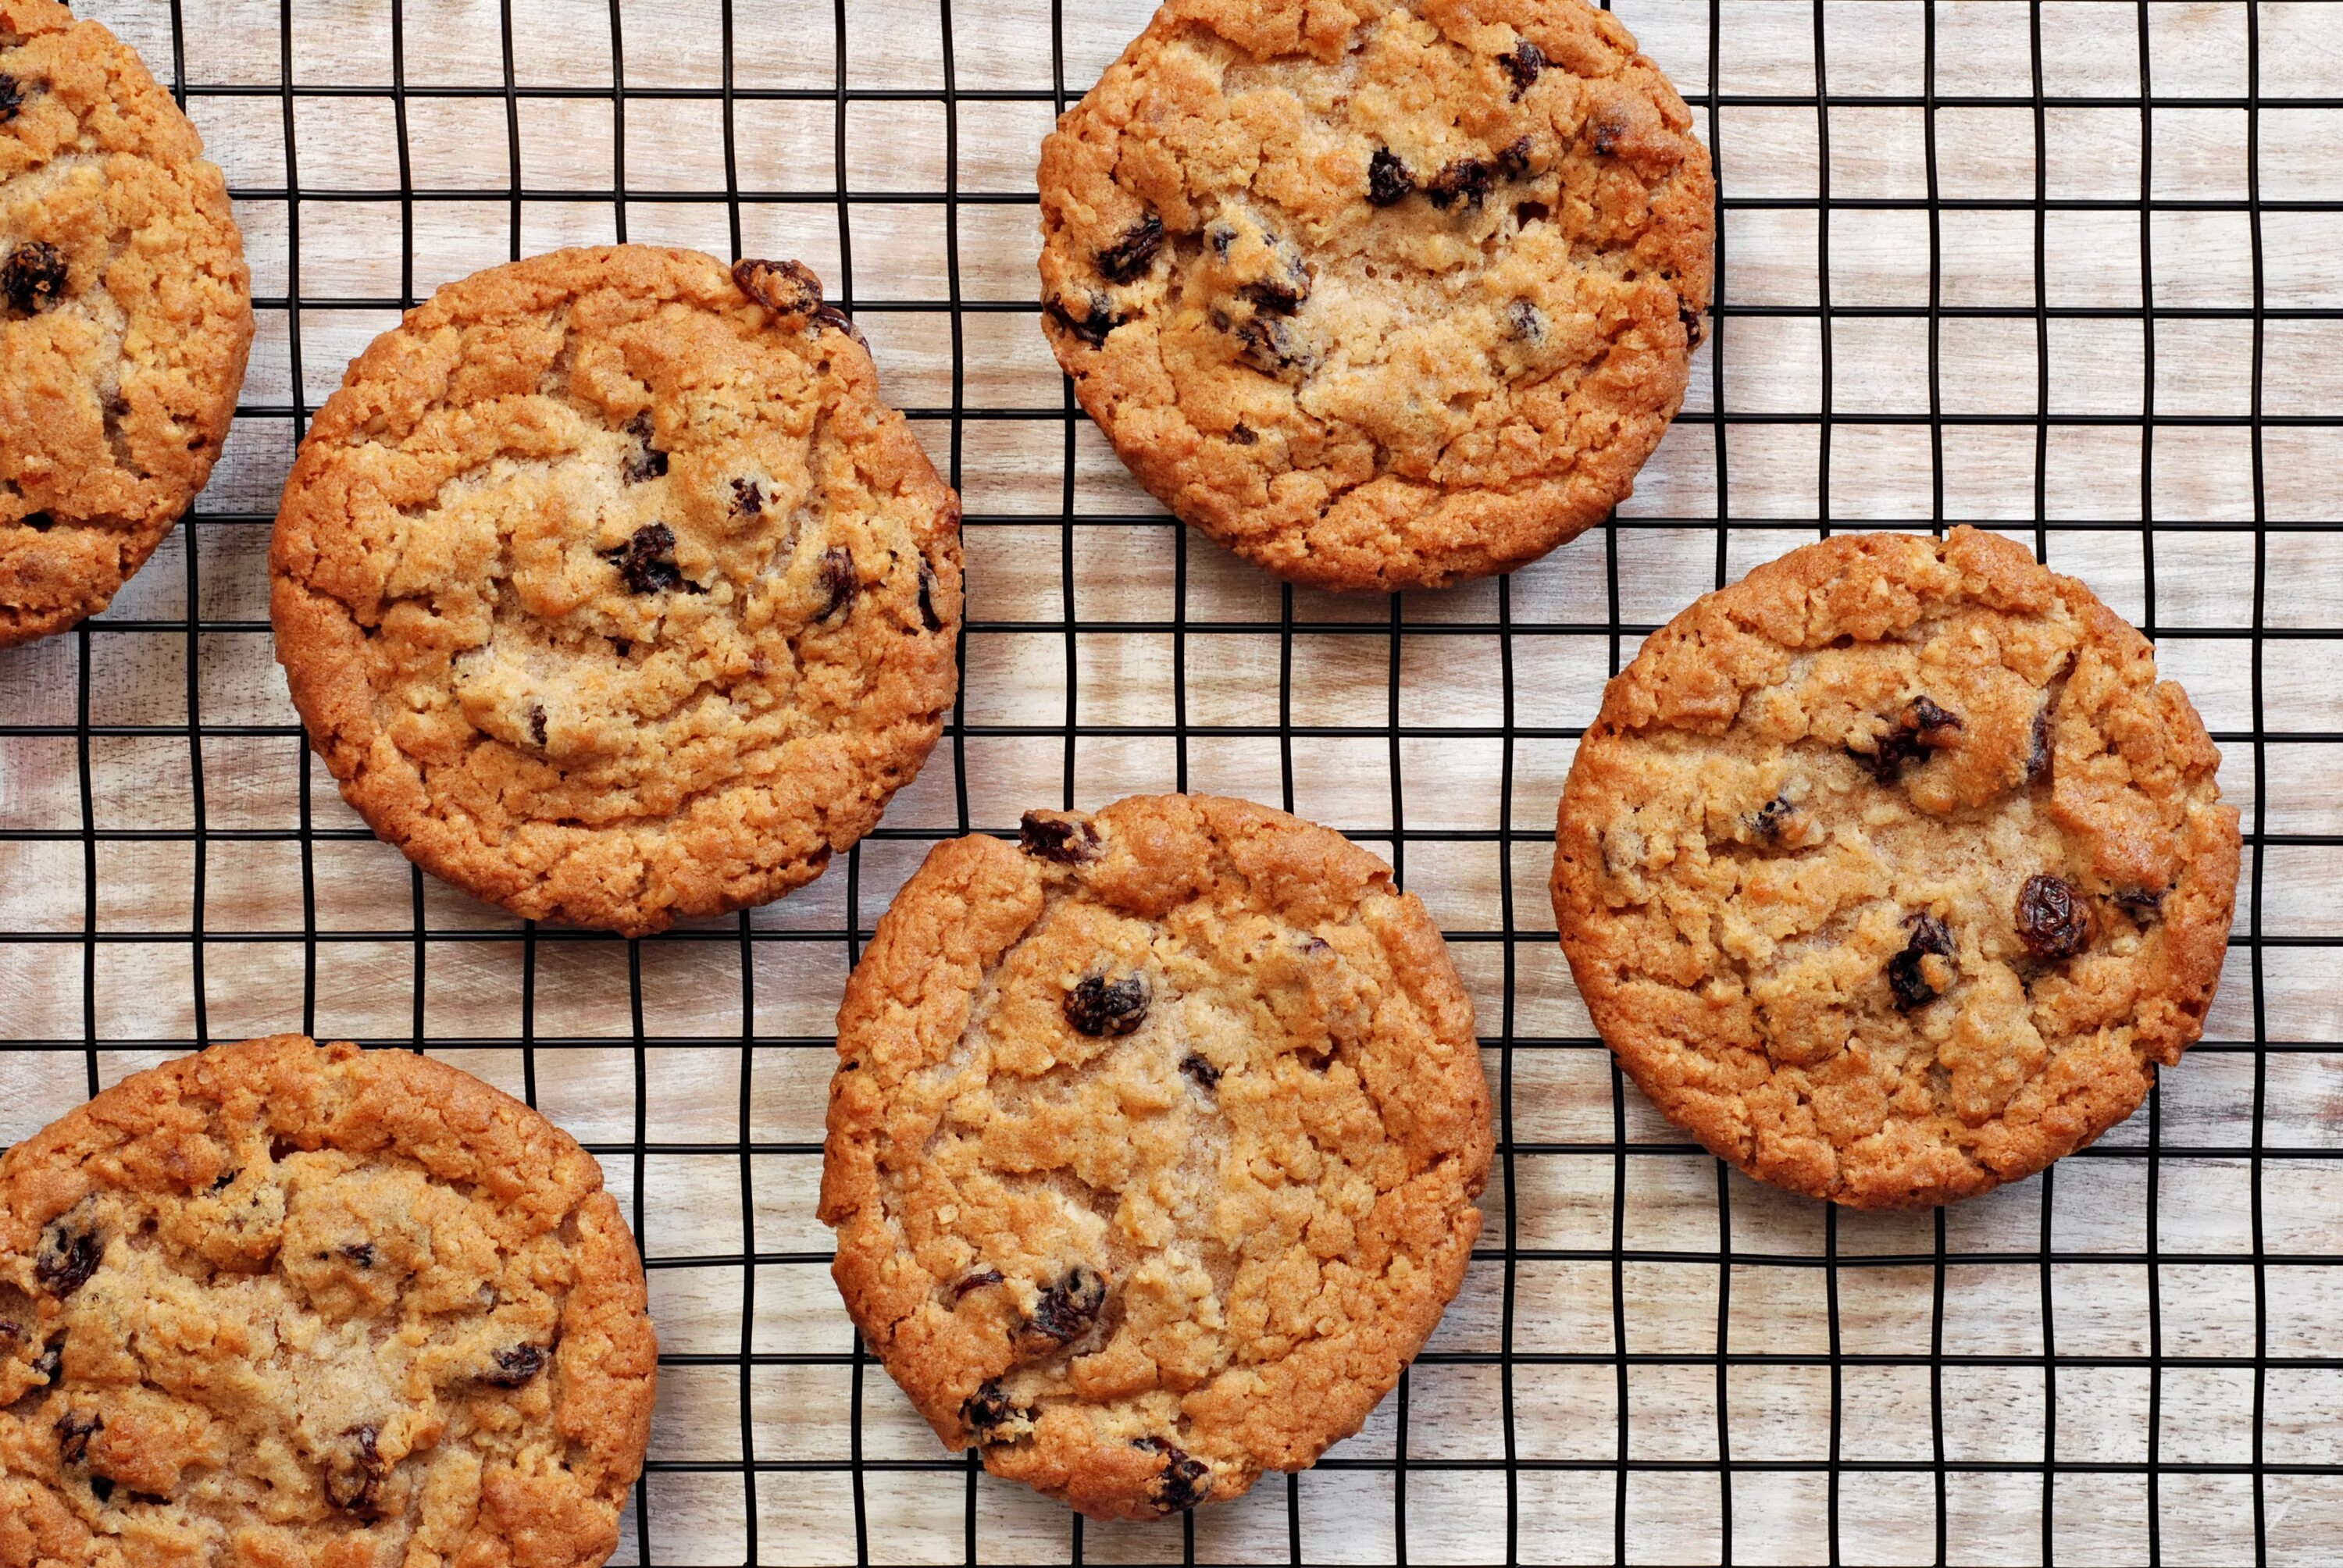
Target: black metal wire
1413,1465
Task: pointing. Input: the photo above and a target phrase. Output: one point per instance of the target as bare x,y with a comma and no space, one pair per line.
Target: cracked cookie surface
126,317
282,1304
1380,296
1892,872
1153,1146
611,592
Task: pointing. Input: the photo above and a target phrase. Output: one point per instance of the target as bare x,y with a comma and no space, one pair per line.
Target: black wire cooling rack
2068,269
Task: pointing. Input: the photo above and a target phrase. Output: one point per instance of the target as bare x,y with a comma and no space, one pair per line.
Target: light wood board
2066,1358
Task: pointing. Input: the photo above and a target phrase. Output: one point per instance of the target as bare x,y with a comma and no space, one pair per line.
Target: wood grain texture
736,1029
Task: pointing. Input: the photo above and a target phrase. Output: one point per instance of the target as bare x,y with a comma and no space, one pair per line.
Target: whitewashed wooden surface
1012,472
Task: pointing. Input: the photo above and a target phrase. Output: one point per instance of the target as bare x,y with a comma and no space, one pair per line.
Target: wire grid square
2072,269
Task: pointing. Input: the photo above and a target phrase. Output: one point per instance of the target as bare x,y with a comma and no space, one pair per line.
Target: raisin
1222,236
2053,920
226,1179
1269,345
1466,180
650,462
837,320
102,1487
2037,755
1243,435
1514,158
1092,326
975,1282
838,581
1524,324
1691,319
1771,818
1069,840
929,618
1185,1481
1127,257
74,1432
354,1478
2142,904
1206,1075
1102,1008
537,723
51,1362
516,1366
1922,728
748,498
32,275
1283,295
68,1257
12,98
784,287
362,1252
987,1410
1522,66
1606,136
1388,181
1066,1310
645,561
1905,973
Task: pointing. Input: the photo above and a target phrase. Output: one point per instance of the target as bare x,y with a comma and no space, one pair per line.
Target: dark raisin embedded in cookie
2037,755
1129,256
1069,841
1922,726
975,1282
1206,1075
1907,971
12,98
647,462
929,618
987,1410
1065,1312
69,1255
748,498
1105,1009
355,1473
785,287
2053,920
1271,346
102,1487
1691,319
1243,435
1524,324
1522,66
74,1432
362,1252
1185,1481
34,275
838,581
51,1360
1514,158
1098,318
1388,181
1771,818
2142,904
516,1366
1466,180
646,562
536,722
837,320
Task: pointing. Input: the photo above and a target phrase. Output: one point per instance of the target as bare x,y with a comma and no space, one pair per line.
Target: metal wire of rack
2116,349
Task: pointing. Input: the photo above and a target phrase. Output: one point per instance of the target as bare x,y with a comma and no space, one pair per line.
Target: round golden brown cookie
1153,1146
125,314
280,1304
1891,872
1379,295
610,590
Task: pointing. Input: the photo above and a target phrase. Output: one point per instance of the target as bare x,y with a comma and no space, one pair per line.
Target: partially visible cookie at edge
1153,1146
611,591
126,317
285,1303
1380,296
1892,872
